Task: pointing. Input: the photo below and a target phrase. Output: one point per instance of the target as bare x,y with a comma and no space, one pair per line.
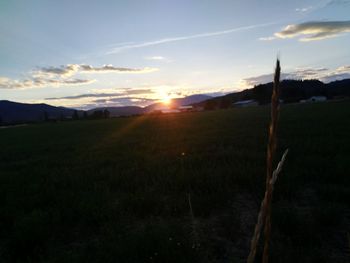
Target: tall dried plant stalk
264,216
271,149
263,209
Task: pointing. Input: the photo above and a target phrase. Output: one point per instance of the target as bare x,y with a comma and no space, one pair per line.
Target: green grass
116,190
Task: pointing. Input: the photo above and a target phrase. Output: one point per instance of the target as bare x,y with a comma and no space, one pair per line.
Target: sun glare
166,100
164,97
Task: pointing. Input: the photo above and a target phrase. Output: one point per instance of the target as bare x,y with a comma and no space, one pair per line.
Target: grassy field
117,190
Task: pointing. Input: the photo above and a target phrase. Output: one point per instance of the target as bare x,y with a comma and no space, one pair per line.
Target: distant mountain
14,112
291,91
119,111
134,110
189,100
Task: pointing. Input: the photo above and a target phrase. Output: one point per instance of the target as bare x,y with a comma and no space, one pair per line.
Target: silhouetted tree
106,114
85,115
97,114
46,116
75,115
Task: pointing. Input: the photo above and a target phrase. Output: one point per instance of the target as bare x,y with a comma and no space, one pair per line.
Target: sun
166,100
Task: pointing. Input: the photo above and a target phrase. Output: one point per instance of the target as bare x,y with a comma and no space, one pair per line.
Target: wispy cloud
71,69
63,71
62,76
112,69
267,38
303,9
113,93
121,48
315,30
7,83
338,2
324,74
107,97
155,58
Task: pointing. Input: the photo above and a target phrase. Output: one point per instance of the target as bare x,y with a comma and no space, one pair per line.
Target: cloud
113,93
138,91
87,95
64,71
111,68
121,48
316,30
155,58
303,9
324,74
338,2
339,73
122,101
6,83
62,76
71,69
267,38
112,99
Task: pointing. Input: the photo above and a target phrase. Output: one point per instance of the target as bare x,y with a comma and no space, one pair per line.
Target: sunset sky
86,54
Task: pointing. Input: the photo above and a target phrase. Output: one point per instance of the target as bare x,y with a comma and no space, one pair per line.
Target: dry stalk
271,149
262,213
264,216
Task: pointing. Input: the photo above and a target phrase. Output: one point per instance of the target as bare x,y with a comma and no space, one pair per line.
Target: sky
87,54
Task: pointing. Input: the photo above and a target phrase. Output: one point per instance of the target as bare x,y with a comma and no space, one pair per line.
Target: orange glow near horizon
166,100
164,97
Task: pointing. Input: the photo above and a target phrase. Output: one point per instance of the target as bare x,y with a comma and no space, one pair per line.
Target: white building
317,98
185,108
245,103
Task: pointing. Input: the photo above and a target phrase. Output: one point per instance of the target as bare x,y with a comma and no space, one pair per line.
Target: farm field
176,188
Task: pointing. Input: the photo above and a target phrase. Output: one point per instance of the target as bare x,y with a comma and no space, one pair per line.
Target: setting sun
164,96
166,100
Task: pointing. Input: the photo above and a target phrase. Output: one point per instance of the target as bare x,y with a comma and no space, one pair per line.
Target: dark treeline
99,114
291,91
12,113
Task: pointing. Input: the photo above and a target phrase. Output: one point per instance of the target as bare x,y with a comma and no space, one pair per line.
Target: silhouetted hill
15,112
291,91
339,88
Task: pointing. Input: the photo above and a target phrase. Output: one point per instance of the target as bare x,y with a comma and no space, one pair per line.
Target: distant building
185,108
198,108
245,103
317,98
314,99
170,111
